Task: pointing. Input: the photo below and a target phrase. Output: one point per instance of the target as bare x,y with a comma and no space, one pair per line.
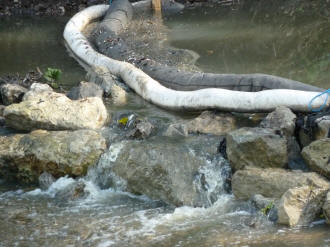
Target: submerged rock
12,93
73,191
54,111
326,208
143,129
267,206
46,180
282,119
85,90
26,156
256,147
300,206
207,123
317,156
272,182
172,171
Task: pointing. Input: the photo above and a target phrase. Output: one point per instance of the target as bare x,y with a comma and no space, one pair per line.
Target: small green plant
123,121
53,76
265,211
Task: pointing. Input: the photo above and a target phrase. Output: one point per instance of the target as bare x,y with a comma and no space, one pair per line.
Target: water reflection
27,43
235,42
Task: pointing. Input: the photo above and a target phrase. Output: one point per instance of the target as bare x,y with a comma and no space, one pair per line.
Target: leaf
123,121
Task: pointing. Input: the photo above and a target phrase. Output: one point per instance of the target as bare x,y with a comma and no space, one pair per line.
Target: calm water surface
231,41
27,43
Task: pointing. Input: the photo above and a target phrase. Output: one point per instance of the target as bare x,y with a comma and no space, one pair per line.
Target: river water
108,216
233,41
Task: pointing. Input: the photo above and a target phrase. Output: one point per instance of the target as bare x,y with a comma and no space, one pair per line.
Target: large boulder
282,119
25,156
53,111
317,156
175,171
12,93
326,208
256,147
272,182
301,205
207,123
85,90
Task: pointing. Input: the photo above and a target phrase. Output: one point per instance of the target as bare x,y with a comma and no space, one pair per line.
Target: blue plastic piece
327,92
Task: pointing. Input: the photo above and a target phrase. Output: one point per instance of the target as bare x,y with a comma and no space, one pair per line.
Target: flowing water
101,215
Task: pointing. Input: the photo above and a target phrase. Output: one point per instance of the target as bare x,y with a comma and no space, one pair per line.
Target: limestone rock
36,89
207,123
172,171
323,127
272,182
119,95
300,206
317,156
326,208
85,90
54,111
12,93
256,147
282,119
25,156
143,129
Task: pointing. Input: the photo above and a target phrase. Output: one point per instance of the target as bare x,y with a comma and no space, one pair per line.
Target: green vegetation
53,76
265,211
123,121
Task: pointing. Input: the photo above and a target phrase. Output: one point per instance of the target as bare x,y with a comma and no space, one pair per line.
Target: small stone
119,95
46,180
36,89
323,127
206,123
85,90
282,119
177,130
12,93
267,206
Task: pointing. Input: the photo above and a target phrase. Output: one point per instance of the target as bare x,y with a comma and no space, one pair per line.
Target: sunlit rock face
25,156
53,111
